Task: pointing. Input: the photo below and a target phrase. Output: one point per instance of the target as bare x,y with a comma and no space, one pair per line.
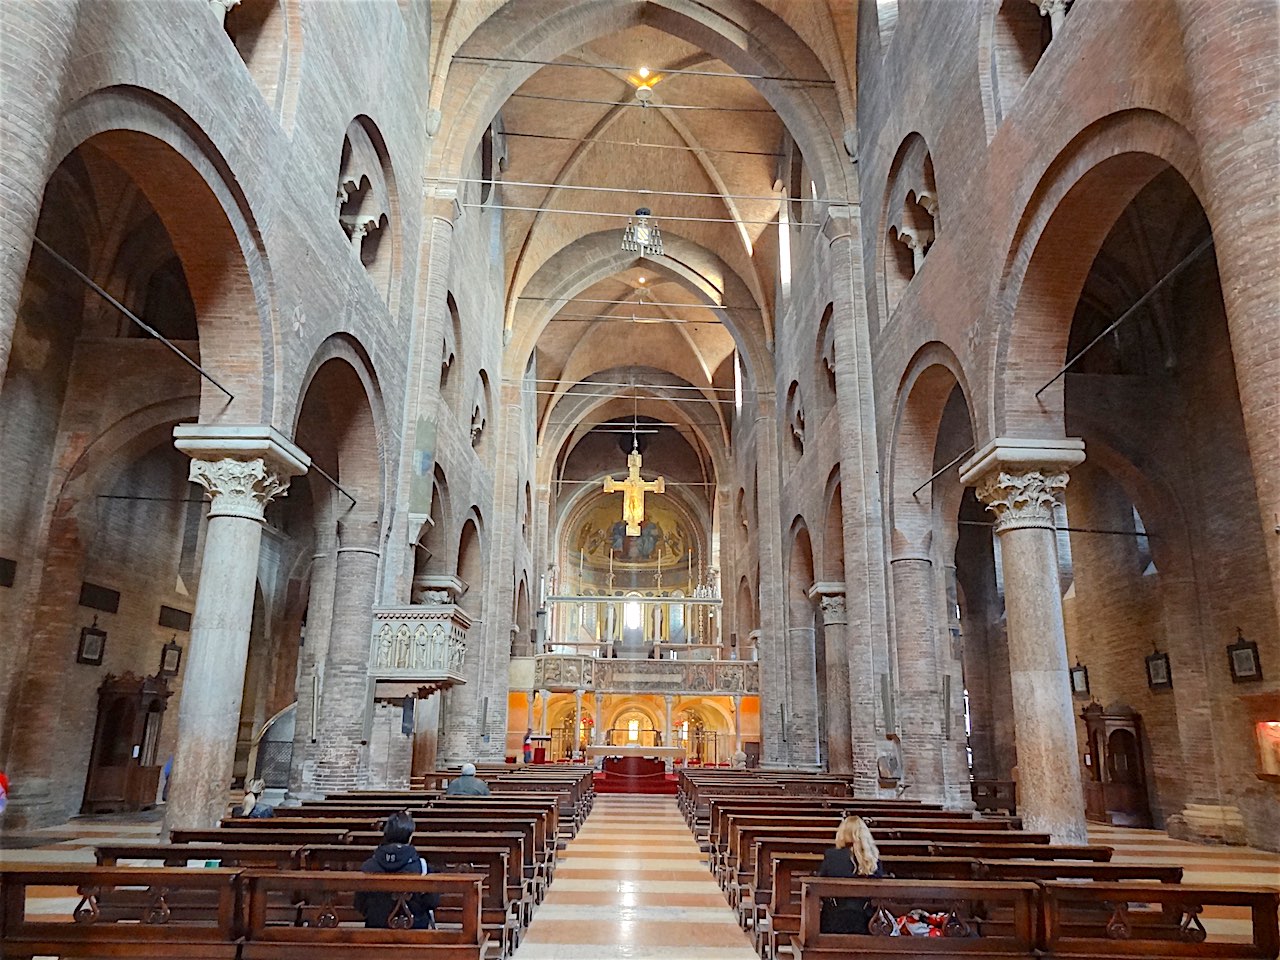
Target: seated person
252,805
854,855
396,855
468,784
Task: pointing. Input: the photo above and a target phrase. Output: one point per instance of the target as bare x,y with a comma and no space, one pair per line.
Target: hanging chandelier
642,235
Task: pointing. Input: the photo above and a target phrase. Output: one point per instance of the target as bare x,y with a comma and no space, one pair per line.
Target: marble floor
633,886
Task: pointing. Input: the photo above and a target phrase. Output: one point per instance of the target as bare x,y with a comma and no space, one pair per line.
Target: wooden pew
780,917
155,931
320,935
263,856
969,901
992,795
500,914
1154,920
271,834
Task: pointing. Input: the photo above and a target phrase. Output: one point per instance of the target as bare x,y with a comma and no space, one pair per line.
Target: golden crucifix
633,490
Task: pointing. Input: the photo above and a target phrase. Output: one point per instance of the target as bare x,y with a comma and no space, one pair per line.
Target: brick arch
926,387
340,422
473,95
214,232
833,531
1070,213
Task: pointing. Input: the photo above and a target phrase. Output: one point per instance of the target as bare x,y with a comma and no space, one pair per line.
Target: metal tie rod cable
1110,533
645,106
89,282
674,71
608,395
631,386
1182,264
647,303
641,191
632,144
625,216
938,473
590,318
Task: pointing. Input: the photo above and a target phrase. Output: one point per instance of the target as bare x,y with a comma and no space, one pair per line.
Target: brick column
1232,61
342,730
772,651
36,39
934,764
835,621
867,649
243,469
1020,481
311,667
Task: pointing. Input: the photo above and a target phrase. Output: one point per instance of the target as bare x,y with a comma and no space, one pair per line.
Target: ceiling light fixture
644,73
642,235
642,279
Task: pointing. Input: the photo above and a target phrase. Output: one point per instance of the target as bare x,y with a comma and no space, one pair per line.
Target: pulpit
1115,786
123,771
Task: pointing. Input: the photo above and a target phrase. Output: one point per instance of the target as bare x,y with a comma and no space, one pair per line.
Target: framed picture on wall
1243,658
170,658
93,642
1159,676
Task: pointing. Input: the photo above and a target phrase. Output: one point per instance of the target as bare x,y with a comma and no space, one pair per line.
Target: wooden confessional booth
123,771
1115,785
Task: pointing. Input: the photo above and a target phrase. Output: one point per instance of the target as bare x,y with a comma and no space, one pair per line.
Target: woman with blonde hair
854,855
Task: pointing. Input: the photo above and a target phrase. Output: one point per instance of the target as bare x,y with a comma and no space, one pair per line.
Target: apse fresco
664,535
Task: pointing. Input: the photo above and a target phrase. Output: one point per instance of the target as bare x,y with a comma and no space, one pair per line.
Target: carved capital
833,610
1048,8
1022,498
238,488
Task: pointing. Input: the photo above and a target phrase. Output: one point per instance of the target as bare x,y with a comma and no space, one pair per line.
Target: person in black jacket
397,855
854,855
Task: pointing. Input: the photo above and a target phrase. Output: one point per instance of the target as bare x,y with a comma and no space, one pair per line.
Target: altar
637,750
635,768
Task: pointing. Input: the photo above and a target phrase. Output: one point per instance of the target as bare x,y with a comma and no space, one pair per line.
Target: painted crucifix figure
633,490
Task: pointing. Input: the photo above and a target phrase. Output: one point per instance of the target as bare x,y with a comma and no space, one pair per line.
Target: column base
1208,823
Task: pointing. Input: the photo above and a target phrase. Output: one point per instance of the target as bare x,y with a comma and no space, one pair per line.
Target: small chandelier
642,235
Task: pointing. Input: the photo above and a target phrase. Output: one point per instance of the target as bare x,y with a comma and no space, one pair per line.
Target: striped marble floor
633,885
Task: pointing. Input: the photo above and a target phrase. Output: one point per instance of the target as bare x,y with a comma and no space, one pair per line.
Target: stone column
577,724
835,621
1055,10
546,712
221,8
597,732
242,469
533,695
342,731
666,728
1020,481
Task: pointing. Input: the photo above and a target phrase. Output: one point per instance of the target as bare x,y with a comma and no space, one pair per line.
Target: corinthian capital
238,488
1022,499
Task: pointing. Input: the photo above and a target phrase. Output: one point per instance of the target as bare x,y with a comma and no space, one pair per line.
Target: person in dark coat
467,784
396,855
854,855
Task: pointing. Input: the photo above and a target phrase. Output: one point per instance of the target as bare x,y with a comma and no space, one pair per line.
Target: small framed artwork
1079,680
93,641
170,658
1243,658
1159,676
